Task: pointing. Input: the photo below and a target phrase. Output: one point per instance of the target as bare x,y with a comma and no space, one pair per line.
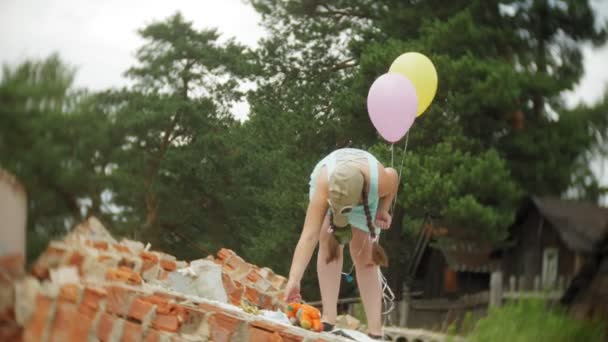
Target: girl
358,191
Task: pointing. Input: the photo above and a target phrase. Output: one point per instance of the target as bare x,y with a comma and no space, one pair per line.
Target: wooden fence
439,313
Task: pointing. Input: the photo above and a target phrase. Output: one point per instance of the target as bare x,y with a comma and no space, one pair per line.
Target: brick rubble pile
91,287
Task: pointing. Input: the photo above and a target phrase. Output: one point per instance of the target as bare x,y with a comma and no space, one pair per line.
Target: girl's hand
292,292
383,220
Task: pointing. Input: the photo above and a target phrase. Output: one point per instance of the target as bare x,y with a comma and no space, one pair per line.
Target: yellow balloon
421,72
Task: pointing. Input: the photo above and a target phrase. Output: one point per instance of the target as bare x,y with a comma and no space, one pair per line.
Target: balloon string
407,136
393,155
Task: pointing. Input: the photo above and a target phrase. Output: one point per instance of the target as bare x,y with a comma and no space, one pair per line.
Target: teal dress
357,217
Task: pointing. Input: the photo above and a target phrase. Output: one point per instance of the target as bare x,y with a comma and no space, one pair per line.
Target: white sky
100,38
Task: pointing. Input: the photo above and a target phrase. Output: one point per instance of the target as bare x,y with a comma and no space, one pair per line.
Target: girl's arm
317,208
387,187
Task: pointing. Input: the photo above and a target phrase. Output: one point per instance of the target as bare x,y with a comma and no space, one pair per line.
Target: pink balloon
392,104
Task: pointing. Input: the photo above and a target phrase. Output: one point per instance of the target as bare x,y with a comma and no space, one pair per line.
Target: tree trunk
151,228
541,58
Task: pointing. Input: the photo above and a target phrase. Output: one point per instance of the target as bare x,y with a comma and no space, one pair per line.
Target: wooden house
551,239
548,242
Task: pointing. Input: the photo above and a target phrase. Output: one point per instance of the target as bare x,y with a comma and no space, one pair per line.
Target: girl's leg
329,276
368,280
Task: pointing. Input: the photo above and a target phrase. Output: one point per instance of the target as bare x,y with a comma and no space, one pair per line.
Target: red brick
124,275
69,325
163,304
104,327
152,336
119,300
50,258
131,332
168,265
101,245
234,289
149,260
13,265
70,293
223,326
191,321
235,264
209,307
265,301
9,329
254,276
264,331
76,259
104,257
35,327
92,297
166,322
87,311
127,263
169,296
139,309
121,248
291,337
260,335
252,295
224,253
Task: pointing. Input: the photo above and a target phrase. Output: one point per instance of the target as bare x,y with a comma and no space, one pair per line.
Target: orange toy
304,315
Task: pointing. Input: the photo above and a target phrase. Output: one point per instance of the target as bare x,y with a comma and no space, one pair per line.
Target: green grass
532,320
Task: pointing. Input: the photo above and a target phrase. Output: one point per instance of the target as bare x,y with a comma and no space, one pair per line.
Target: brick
206,307
278,282
234,289
37,325
100,245
223,327
252,295
131,332
192,320
104,327
166,322
260,335
123,275
50,258
104,257
170,296
93,296
290,337
121,248
152,336
87,311
163,304
9,328
265,301
76,259
70,293
253,276
139,309
168,265
69,325
264,331
149,260
12,265
119,300
224,253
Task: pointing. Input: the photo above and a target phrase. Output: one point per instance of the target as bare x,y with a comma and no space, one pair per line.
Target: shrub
532,320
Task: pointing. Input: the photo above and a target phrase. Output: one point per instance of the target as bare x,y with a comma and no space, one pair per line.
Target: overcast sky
99,36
